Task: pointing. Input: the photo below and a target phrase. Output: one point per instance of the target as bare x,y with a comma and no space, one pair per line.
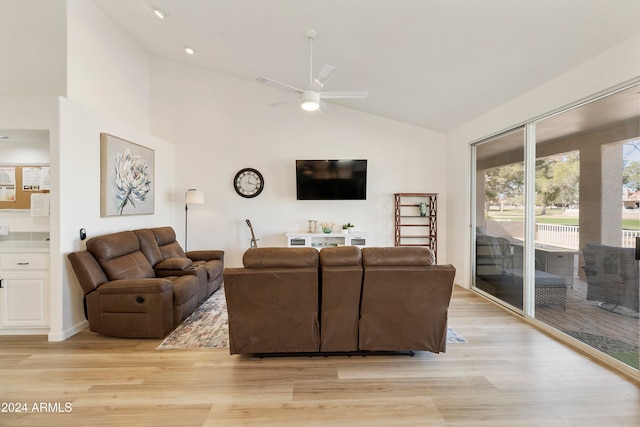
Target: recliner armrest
174,264
134,286
206,255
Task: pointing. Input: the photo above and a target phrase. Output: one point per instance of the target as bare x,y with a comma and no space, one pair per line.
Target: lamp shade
194,197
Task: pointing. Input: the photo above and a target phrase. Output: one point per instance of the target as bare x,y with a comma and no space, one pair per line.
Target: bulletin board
29,179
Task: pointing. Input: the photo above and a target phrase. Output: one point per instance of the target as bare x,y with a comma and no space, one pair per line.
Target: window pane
587,165
500,217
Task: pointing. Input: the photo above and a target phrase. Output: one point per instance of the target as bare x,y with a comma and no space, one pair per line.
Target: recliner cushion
169,247
149,246
119,256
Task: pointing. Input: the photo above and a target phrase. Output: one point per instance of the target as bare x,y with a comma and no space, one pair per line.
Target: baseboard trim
69,332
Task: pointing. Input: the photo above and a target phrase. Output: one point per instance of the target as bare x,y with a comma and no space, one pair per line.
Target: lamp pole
194,197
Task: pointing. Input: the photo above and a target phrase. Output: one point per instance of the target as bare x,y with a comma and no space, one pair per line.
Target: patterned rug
208,327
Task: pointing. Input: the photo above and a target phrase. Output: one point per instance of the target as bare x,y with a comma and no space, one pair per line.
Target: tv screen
331,179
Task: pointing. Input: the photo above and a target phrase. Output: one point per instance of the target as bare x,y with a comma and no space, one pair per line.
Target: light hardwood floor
508,374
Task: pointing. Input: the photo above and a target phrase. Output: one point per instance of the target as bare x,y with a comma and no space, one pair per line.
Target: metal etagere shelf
415,226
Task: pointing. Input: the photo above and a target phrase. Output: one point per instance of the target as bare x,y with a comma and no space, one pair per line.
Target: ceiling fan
311,98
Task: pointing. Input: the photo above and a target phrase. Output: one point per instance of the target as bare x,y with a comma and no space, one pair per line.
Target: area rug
208,327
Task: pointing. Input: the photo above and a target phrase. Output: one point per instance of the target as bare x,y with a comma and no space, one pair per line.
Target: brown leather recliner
166,256
273,301
122,295
405,300
341,283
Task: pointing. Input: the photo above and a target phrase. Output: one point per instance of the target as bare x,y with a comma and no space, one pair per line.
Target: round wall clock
248,182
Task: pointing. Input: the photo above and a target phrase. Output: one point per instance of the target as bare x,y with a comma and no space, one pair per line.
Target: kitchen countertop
24,246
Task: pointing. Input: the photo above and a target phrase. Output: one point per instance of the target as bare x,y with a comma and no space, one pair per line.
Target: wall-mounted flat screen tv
331,179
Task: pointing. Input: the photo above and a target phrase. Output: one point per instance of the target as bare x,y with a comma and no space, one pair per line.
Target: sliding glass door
587,173
499,218
570,212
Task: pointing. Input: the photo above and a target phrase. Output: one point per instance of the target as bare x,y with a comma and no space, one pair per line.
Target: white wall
613,67
79,197
32,42
74,132
222,124
106,69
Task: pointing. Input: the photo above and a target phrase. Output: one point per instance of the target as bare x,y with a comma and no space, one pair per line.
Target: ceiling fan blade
327,95
322,77
280,85
323,107
286,101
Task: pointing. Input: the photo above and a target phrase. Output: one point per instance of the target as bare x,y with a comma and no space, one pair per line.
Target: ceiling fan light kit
310,99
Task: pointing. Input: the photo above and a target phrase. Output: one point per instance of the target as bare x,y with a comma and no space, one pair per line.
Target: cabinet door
24,300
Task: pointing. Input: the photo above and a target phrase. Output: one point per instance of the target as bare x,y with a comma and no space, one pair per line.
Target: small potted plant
347,228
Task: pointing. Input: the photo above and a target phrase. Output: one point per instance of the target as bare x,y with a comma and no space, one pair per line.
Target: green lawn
554,216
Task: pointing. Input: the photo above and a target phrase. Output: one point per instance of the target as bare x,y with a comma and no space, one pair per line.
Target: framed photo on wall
126,177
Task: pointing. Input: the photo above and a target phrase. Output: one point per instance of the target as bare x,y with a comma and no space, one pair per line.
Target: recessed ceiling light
161,14
189,50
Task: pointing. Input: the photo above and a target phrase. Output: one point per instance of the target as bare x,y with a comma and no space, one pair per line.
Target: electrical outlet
4,229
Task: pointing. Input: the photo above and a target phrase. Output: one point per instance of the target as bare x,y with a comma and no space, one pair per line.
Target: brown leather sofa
273,301
374,299
140,284
405,300
165,254
341,273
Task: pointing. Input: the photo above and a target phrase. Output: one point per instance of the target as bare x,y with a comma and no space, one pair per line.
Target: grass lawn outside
630,221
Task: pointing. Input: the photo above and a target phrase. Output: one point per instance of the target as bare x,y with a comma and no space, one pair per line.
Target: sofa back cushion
149,246
398,256
280,258
169,246
119,256
340,256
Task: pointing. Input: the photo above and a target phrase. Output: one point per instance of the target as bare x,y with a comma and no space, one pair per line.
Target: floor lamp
192,197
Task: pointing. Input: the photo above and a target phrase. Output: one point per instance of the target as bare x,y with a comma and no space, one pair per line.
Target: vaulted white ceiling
432,63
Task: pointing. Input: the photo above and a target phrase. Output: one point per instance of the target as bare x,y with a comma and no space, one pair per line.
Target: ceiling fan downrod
311,35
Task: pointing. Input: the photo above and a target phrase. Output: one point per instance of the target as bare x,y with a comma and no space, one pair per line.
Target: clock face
248,182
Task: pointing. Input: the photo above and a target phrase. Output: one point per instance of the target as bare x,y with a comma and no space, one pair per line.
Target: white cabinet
24,293
320,240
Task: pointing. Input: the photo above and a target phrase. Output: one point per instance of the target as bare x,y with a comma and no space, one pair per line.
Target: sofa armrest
135,286
174,264
206,255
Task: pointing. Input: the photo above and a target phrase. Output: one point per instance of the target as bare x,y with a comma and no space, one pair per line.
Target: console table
320,240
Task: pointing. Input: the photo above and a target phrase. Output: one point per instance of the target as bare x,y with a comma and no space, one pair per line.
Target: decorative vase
327,227
422,207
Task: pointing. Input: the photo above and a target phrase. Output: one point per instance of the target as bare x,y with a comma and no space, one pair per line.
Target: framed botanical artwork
126,177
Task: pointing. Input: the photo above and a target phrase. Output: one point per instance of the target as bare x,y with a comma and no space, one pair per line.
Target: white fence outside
568,236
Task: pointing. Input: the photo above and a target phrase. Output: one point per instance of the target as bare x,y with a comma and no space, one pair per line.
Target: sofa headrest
114,245
398,256
164,235
280,258
149,245
340,256
119,256
169,246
